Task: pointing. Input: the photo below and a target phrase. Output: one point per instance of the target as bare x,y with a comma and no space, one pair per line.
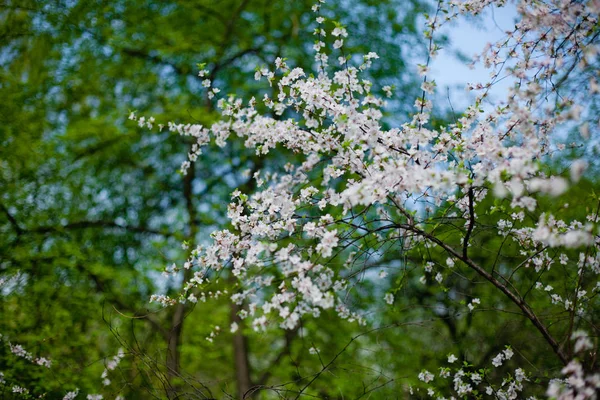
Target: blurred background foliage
92,208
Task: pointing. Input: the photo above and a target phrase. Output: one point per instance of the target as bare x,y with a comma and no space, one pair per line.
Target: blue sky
470,37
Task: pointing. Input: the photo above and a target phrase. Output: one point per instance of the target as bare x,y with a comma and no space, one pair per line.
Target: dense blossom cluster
579,383
295,241
467,381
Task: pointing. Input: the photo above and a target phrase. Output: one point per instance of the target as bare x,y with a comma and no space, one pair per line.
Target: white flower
328,242
43,362
387,90
71,395
452,358
497,361
19,389
389,298
582,341
426,376
577,169
339,32
472,304
520,375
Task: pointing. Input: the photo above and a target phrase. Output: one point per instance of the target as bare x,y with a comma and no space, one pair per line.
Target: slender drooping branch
525,308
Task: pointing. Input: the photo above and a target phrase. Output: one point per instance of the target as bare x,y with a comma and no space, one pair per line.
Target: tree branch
101,288
12,220
471,223
512,296
98,224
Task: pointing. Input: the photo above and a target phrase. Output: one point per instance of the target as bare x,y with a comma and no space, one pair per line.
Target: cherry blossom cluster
19,351
579,383
467,381
335,121
299,244
111,365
